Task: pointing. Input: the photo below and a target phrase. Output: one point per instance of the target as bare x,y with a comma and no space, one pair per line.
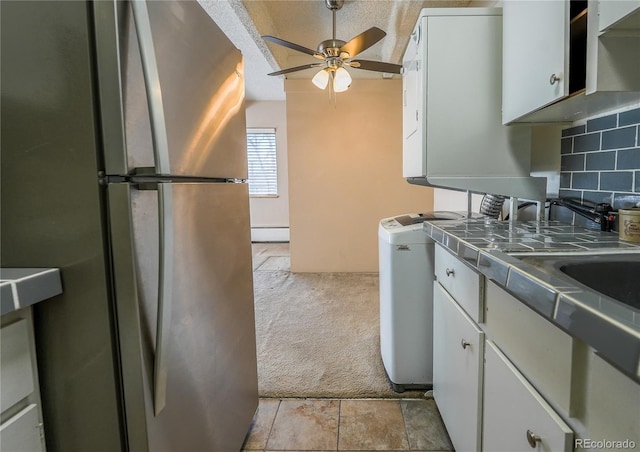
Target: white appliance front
406,303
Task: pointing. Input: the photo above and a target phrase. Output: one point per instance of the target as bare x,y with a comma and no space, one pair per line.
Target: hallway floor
347,425
331,422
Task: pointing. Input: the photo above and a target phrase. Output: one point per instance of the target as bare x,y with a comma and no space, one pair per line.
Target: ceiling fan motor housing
331,48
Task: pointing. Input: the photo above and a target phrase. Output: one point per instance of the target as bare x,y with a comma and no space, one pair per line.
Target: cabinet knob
553,79
449,271
464,344
532,439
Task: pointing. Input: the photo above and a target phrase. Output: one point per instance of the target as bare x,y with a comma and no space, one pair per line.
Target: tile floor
347,424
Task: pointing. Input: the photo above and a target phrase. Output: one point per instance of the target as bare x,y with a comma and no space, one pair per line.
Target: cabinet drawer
541,350
461,281
16,371
514,414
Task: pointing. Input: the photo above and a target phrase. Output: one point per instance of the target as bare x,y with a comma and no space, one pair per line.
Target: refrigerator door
211,373
183,90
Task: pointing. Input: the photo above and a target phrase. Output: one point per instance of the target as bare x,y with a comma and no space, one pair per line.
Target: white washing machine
406,299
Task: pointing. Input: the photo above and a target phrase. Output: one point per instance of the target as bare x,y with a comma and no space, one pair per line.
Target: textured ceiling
307,23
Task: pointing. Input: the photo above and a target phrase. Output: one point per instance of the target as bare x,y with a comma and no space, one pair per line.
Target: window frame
271,182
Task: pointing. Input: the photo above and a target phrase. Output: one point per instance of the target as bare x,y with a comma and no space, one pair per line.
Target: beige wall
458,201
345,173
272,211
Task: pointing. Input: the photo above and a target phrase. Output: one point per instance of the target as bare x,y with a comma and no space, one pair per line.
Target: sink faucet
599,213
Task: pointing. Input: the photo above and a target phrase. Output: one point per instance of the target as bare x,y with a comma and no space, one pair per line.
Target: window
261,157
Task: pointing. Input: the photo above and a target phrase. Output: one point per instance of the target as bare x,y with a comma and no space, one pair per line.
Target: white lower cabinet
540,350
515,416
458,346
487,402
23,431
21,428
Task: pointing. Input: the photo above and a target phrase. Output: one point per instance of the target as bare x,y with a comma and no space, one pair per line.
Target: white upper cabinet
613,49
560,66
536,61
622,15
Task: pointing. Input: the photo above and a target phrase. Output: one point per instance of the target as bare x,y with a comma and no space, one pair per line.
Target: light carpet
317,333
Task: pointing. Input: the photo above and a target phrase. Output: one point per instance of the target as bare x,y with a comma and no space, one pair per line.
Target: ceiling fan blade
293,46
363,41
297,68
378,66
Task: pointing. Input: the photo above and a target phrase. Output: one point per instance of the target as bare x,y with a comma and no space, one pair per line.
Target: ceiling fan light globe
341,80
321,79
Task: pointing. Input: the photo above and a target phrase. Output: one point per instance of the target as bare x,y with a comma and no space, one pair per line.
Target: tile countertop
22,287
493,247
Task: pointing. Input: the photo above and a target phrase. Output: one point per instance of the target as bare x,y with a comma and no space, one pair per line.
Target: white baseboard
269,234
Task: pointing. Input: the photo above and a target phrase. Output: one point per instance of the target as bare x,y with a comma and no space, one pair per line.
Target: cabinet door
16,371
22,432
516,417
535,51
458,348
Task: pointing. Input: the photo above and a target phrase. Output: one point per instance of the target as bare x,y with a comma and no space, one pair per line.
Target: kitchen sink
617,279
616,276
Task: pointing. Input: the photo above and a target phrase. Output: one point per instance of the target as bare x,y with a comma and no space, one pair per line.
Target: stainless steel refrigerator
123,164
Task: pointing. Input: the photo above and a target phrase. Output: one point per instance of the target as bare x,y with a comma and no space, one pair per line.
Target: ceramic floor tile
371,425
305,425
425,428
261,424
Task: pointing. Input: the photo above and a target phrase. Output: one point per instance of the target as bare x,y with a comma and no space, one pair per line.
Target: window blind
262,162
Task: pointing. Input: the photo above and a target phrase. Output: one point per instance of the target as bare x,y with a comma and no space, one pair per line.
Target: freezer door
173,84
211,373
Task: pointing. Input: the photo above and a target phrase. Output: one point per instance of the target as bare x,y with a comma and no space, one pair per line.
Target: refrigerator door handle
152,85
165,295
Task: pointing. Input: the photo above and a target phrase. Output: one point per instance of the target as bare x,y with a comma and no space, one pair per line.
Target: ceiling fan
336,54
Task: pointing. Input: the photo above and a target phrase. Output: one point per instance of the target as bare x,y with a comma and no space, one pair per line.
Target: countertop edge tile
28,286
493,268
613,342
6,297
532,292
